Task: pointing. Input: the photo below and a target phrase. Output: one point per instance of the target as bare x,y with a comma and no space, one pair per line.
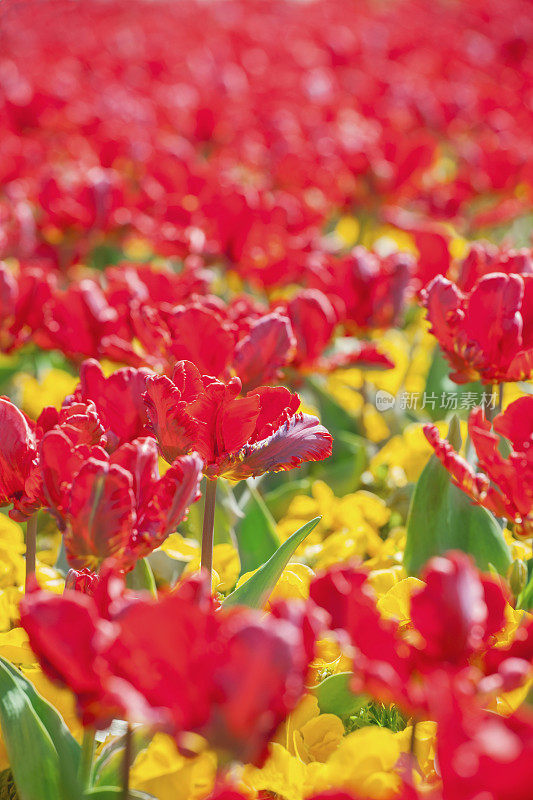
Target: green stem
492,412
500,399
126,763
209,525
87,758
31,546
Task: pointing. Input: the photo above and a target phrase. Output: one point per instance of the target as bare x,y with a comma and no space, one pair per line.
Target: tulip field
266,400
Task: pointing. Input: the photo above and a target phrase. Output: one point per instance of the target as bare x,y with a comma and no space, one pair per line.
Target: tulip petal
267,347
174,429
101,513
300,439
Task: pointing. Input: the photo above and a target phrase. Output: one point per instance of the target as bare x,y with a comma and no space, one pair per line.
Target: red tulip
236,436
505,486
78,321
230,675
22,299
454,618
484,258
115,506
18,454
118,399
314,319
481,754
485,334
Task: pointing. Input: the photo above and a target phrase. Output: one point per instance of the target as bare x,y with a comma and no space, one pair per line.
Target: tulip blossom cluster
177,663
262,266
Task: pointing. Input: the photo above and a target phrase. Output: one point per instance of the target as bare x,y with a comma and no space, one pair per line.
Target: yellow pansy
376,428
293,583
226,563
12,549
49,390
424,747
161,771
14,647
329,659
396,603
519,548
341,547
349,525
408,451
391,552
382,580
49,578
348,229
388,239
179,548
283,774
308,734
364,764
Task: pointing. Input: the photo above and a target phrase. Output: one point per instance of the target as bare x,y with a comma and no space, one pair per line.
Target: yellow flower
50,390
14,647
374,424
363,764
349,526
226,563
319,738
408,452
160,770
382,580
347,230
396,603
329,659
179,548
12,549
293,583
519,548
424,747
283,774
49,578
308,734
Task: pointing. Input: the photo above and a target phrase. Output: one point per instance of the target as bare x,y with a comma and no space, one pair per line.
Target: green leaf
256,534
525,598
335,696
256,590
279,499
342,472
141,578
43,755
109,761
442,517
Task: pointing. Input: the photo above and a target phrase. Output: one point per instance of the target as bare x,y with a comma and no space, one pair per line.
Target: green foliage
43,755
256,535
256,590
442,518
335,696
376,713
